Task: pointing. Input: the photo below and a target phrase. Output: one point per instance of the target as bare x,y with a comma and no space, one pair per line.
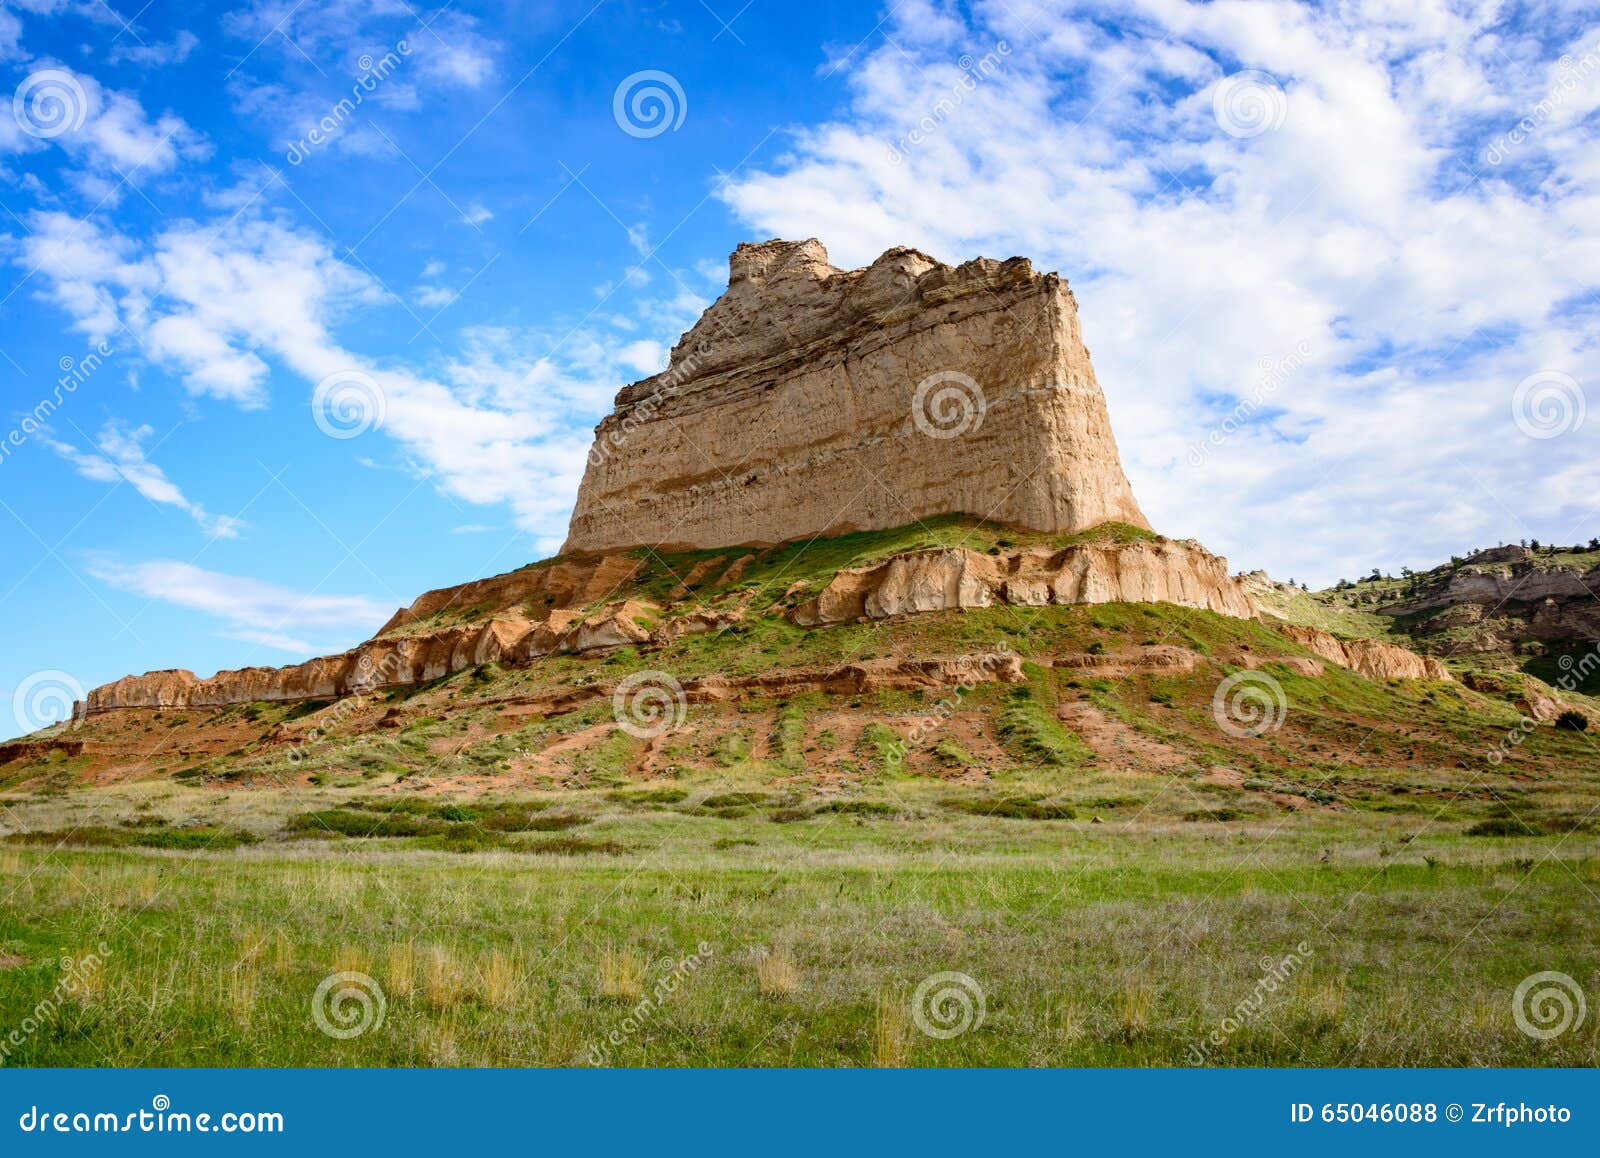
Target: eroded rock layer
1159,570
417,646
811,400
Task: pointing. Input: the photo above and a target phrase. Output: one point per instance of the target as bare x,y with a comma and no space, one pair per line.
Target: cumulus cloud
119,456
107,131
1387,217
250,609
506,420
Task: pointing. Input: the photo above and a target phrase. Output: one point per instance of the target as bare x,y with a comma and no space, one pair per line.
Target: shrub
1504,826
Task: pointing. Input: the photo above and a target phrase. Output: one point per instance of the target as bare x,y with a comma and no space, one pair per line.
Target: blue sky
1338,270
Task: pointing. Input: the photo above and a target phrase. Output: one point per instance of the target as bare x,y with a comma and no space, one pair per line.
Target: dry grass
499,980
622,974
241,989
776,973
444,981
1136,1006
891,1033
400,969
350,959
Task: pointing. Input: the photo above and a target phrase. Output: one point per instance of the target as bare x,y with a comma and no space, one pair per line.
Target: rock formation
1369,657
810,400
949,578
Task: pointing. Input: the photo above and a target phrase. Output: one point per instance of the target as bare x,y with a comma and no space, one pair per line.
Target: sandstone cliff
811,400
1370,657
1140,572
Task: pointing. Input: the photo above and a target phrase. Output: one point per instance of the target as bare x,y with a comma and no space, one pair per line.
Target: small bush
1011,807
1505,826
735,799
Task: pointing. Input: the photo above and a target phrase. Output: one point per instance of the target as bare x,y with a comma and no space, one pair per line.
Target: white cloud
250,609
433,297
160,54
475,214
1089,142
452,52
506,421
107,130
119,456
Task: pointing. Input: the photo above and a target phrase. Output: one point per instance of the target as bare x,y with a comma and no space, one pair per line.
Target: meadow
697,927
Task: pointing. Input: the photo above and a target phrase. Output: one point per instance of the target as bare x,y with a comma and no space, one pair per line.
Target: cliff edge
809,400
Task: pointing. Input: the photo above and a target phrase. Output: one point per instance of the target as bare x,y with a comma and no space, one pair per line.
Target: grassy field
685,931
1091,864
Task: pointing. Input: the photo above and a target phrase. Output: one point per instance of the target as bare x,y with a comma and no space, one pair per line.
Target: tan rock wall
1368,657
1151,571
787,410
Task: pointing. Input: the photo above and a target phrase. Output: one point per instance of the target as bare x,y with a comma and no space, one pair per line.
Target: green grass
1104,944
1033,737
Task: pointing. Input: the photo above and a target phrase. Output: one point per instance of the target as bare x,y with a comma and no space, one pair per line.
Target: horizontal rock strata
1368,657
949,578
811,400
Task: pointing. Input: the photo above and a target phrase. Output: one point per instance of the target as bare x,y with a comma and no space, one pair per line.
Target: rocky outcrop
811,400
1165,658
1368,657
386,661
553,585
945,579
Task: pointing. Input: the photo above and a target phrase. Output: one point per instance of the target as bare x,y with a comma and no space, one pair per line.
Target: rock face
1369,657
810,400
950,578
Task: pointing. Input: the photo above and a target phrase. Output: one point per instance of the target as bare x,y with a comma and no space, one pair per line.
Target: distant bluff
809,400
